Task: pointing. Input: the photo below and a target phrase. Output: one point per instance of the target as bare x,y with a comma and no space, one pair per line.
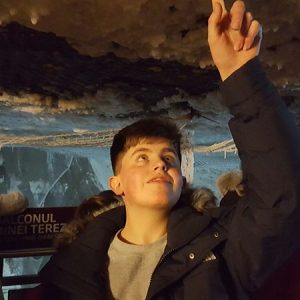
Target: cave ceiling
71,54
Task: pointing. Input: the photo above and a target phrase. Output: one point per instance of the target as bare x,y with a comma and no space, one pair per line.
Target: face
149,175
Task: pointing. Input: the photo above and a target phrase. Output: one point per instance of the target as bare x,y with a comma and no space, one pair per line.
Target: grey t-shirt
130,267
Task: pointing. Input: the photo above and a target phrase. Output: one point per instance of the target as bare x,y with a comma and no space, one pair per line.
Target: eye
142,157
169,158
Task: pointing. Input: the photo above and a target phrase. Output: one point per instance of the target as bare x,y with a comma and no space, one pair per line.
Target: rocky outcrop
41,63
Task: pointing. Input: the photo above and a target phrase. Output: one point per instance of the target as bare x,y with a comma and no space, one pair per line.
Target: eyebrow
167,149
140,150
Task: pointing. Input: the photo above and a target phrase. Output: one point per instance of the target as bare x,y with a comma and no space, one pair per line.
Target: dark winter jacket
227,252
284,283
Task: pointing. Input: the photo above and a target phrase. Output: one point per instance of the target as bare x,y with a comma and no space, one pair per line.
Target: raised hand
234,37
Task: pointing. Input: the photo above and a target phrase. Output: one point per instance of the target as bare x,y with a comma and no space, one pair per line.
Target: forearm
264,132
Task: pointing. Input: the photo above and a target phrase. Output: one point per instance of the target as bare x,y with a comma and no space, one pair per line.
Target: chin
165,201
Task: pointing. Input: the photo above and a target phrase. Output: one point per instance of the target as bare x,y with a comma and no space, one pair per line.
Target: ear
115,185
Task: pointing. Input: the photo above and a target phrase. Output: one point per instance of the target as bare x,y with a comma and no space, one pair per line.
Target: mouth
160,179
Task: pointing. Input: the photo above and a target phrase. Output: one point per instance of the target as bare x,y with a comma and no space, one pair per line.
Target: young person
158,247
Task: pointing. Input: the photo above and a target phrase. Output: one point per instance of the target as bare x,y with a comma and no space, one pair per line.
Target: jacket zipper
159,263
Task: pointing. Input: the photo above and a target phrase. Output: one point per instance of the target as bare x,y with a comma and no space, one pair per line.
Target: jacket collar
184,224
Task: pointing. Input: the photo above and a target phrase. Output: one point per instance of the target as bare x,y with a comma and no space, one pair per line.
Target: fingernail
237,46
246,46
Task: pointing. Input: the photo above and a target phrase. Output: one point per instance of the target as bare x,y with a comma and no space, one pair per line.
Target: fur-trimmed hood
201,199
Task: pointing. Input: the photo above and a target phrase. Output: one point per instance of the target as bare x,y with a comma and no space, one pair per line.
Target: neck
144,226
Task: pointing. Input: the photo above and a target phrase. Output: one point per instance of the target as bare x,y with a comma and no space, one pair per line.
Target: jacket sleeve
264,229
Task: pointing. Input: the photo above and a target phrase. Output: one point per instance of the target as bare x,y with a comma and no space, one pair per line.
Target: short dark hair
132,134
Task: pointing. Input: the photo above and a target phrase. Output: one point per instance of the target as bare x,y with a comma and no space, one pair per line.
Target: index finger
221,2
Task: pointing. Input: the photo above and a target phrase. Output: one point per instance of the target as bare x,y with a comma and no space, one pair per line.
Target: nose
160,164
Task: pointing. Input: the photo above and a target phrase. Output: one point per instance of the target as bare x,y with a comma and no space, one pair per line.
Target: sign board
34,228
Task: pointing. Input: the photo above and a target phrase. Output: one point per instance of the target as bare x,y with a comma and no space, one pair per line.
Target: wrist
227,72
241,84
228,69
